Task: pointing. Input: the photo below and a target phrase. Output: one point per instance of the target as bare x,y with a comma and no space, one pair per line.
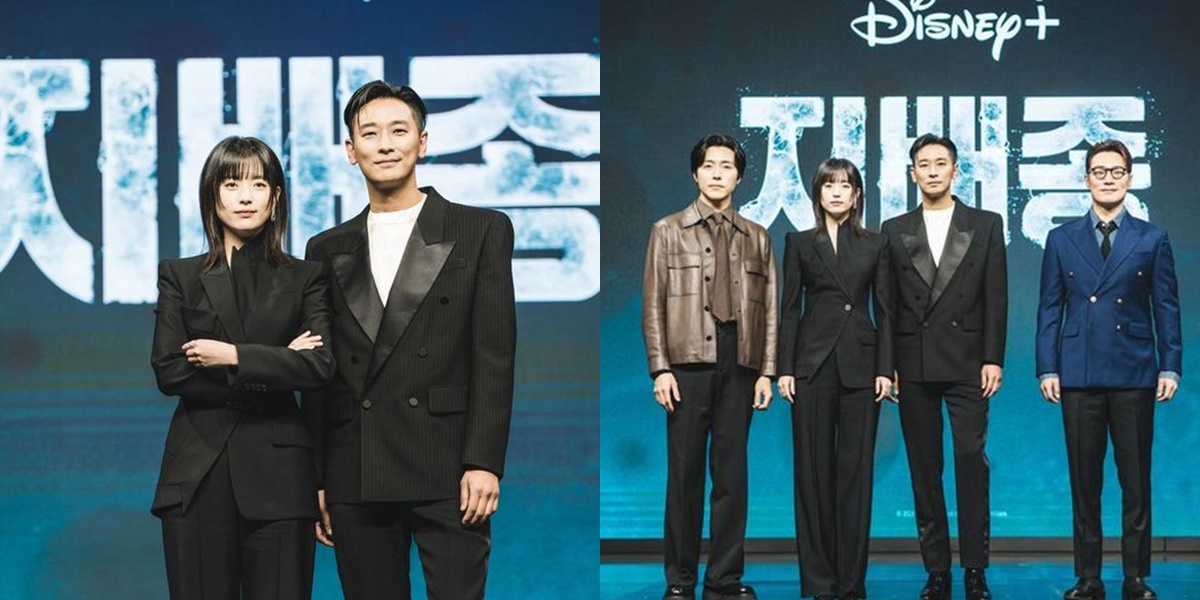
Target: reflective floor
1009,579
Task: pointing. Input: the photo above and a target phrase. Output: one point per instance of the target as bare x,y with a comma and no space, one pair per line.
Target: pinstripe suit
422,393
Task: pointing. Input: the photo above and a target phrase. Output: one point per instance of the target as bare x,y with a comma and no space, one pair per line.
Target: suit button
705,309
366,404
847,308
1139,273
354,360
708,250
925,324
954,323
708,338
1118,327
422,353
413,402
1070,273
707,278
444,299
1120,301
1092,299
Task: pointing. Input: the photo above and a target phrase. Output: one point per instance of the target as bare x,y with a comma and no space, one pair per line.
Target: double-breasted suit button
366,404
1092,299
925,324
1070,273
413,402
1139,273
954,323
354,360
422,353
1120,301
847,308
1118,327
444,299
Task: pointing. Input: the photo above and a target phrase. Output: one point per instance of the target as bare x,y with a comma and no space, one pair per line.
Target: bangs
238,167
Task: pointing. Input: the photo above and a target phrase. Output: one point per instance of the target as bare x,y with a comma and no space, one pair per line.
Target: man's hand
323,526
990,376
666,391
210,353
1050,390
1166,389
306,341
883,389
787,388
896,387
478,496
762,393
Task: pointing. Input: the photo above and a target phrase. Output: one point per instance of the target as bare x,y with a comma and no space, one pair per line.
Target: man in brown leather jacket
709,319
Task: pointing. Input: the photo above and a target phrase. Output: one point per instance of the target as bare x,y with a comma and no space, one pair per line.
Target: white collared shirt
388,234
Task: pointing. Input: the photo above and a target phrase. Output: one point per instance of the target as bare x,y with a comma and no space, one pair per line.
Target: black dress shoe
937,587
679,592
1135,588
976,584
1087,588
736,591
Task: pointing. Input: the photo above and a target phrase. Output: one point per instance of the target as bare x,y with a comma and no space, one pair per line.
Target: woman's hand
210,353
306,341
883,389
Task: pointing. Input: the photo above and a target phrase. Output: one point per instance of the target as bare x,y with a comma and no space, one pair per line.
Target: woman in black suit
835,365
237,331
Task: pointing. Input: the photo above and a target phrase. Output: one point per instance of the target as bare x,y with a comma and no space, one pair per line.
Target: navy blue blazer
1101,321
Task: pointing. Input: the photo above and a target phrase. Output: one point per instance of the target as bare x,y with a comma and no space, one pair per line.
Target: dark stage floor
900,579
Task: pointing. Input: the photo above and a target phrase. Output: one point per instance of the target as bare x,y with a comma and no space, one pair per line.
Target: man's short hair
714,140
1109,146
930,139
381,89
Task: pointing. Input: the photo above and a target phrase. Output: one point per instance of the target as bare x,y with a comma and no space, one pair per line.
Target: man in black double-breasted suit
952,313
415,424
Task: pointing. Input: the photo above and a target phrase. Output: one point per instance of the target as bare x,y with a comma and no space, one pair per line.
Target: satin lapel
352,269
1128,237
825,251
423,259
917,245
219,289
958,241
1081,236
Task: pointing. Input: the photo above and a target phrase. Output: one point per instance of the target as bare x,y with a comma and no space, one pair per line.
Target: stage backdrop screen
108,112
1021,86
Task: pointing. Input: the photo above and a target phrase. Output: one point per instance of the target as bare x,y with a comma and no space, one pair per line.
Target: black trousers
833,443
921,422
715,401
1090,416
213,553
372,544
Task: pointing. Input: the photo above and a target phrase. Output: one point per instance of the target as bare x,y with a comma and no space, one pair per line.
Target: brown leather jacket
675,321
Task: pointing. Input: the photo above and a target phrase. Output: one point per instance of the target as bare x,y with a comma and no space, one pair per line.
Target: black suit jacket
827,298
424,385
251,410
950,319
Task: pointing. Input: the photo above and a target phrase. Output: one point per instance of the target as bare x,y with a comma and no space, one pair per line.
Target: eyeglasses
1102,172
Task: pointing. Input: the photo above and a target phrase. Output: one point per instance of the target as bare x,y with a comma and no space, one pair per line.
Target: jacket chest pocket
684,274
755,280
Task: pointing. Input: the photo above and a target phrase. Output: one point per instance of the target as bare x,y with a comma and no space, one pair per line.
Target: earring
272,215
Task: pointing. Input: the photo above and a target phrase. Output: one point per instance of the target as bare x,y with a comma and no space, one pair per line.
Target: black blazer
250,411
424,386
950,319
835,293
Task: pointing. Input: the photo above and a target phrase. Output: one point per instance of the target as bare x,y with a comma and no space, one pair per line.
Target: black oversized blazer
951,319
424,386
251,411
828,299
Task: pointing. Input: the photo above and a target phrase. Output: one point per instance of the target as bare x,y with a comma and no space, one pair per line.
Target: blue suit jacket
1099,320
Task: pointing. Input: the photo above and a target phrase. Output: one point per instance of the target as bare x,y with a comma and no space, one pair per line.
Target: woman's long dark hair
238,158
836,170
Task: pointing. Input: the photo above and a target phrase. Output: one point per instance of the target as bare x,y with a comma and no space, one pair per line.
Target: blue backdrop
1020,86
109,110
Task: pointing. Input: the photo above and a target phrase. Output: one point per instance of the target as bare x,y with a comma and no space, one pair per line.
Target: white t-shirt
937,227
388,233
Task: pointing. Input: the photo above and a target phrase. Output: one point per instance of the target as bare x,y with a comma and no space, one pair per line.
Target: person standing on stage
951,320
415,423
1108,347
835,366
709,321
237,330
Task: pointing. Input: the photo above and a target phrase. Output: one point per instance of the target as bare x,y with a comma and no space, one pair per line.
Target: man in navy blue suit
1108,348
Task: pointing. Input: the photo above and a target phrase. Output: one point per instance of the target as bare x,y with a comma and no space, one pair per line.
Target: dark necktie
721,308
1106,228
